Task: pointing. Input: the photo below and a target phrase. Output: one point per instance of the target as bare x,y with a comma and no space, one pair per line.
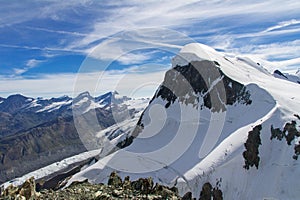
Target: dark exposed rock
145,185
217,194
114,180
127,183
297,151
206,192
125,143
289,133
187,196
251,154
279,73
128,140
164,191
296,115
276,133
202,79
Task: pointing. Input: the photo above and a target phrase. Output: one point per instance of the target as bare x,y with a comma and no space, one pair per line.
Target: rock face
251,153
25,191
196,80
289,133
208,192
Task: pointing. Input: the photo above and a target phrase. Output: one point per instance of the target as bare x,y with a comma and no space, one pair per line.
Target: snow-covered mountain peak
61,98
202,119
193,52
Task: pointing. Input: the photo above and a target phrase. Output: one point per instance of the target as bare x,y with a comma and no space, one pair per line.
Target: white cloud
19,71
126,47
267,32
126,82
134,14
33,63
276,50
23,11
132,58
279,55
44,49
57,31
282,25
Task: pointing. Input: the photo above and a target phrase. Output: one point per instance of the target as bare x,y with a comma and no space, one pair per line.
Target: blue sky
51,48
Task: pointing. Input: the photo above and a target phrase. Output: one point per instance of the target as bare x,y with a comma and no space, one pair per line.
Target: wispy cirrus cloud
43,48
57,31
192,17
33,62
282,25
15,12
261,28
133,14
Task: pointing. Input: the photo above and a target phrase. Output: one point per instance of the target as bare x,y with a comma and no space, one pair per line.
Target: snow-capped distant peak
82,95
55,105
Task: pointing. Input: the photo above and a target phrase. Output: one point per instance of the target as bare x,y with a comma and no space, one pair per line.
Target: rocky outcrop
251,154
142,188
25,191
202,79
208,192
289,132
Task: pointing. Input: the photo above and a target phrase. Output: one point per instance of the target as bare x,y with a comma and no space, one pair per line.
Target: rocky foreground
142,188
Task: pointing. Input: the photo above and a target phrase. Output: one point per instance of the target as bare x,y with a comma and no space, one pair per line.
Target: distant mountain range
35,132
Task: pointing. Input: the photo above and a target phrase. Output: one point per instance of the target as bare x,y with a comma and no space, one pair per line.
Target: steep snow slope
195,127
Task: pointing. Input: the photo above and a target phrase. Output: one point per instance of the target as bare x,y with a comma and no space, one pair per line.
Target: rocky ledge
116,188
